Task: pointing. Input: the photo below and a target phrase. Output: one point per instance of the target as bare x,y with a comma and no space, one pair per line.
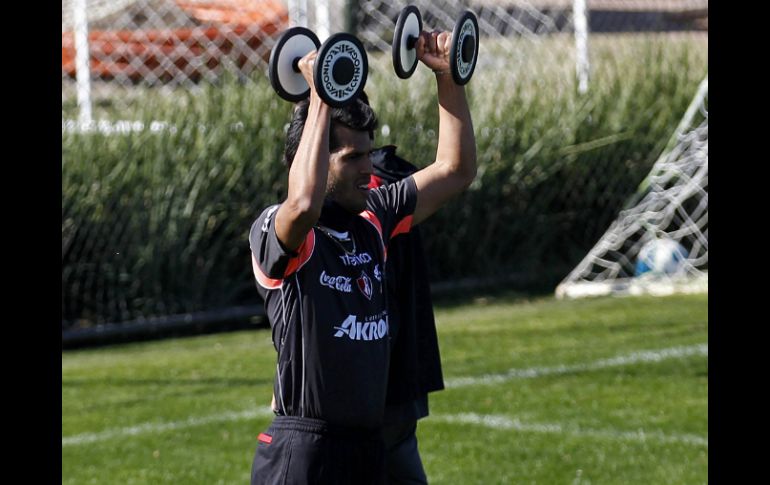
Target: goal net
659,243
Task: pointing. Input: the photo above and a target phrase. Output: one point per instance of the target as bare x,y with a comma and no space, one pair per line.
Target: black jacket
415,363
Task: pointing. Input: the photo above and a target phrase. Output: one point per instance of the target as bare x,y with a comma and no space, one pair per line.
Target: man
319,259
415,363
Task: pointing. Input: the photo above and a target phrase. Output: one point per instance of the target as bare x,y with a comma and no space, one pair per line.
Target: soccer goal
659,243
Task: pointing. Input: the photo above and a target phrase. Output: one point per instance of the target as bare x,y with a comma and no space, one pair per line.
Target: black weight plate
463,61
295,43
341,69
409,23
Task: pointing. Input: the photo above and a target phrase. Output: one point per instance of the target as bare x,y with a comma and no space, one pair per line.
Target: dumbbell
340,70
462,55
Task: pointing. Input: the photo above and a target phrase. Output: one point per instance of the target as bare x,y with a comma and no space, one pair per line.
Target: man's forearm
307,178
308,173
456,142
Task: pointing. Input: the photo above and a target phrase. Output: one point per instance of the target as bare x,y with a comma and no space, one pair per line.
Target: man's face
350,169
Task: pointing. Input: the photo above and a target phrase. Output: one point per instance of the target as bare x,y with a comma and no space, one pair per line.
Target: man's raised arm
455,165
309,170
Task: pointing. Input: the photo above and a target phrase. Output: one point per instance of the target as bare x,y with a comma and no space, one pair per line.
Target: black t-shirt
328,311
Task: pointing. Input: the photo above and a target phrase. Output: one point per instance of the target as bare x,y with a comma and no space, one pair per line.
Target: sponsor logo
377,274
375,329
339,283
343,49
365,285
356,259
266,222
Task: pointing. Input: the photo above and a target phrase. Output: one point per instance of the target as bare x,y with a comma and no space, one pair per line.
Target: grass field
599,391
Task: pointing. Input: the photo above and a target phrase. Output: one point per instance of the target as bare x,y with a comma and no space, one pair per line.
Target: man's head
350,140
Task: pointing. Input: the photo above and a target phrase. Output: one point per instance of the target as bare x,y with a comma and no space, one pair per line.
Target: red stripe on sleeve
264,281
402,227
305,252
372,218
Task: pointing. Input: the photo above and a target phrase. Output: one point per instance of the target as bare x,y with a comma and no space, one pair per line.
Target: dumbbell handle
342,72
467,51
411,41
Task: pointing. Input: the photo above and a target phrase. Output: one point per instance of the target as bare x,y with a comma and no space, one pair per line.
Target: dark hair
357,115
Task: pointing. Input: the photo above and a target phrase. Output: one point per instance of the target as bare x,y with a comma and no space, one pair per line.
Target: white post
297,13
82,68
581,44
323,28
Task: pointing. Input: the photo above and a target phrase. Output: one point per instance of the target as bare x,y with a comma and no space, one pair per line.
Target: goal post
658,244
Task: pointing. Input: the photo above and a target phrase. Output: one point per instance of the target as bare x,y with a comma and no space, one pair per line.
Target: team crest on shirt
365,285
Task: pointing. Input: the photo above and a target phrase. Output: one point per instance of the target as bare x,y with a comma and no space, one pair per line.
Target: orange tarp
226,22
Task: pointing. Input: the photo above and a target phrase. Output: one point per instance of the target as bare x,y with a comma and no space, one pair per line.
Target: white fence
112,45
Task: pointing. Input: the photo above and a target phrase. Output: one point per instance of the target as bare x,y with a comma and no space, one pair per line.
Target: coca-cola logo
339,283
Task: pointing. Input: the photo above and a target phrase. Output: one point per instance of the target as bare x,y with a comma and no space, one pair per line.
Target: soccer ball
661,257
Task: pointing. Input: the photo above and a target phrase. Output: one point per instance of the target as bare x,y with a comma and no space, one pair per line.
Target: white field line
506,423
491,421
85,438
621,360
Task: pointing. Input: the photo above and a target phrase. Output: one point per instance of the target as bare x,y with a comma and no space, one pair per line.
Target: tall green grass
157,222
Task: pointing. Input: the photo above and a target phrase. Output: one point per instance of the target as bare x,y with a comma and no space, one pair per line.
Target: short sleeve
391,207
271,262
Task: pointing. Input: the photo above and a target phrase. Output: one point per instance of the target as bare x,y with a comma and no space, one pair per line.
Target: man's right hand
433,50
306,67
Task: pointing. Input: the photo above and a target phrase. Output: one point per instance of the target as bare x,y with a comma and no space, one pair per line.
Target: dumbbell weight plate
341,69
284,75
408,25
465,48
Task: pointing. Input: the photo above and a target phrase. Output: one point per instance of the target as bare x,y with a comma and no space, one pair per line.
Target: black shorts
403,456
305,451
